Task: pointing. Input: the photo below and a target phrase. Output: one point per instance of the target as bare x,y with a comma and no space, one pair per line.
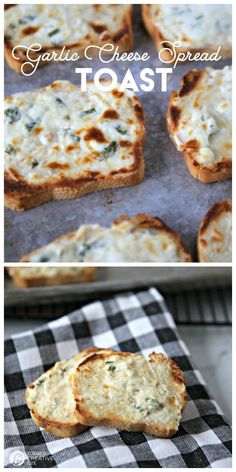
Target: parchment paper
168,190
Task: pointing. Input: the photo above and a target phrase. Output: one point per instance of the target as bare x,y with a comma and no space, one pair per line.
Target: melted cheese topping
52,395
196,26
130,388
216,242
206,118
58,25
122,242
59,132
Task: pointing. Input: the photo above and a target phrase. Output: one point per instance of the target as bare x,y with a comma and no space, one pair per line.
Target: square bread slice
199,121
62,143
215,234
74,26
25,277
50,398
125,391
141,238
199,28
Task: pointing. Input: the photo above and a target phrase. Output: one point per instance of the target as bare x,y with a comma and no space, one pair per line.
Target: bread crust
143,221
159,38
123,38
20,196
212,215
86,417
207,174
88,274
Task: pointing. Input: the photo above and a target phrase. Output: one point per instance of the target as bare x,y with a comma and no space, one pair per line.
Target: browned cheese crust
123,38
85,416
168,52
206,174
88,274
212,215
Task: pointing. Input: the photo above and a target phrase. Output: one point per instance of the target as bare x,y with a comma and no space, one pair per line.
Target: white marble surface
210,347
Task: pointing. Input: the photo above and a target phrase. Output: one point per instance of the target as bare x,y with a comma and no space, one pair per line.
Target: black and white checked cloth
137,323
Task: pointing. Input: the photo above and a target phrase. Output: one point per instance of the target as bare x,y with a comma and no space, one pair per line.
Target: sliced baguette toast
141,238
62,143
200,123
215,234
199,28
50,398
125,391
73,26
25,277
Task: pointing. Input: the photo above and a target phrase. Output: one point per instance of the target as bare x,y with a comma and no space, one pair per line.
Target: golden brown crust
122,38
20,196
141,220
212,215
85,417
88,274
159,39
207,174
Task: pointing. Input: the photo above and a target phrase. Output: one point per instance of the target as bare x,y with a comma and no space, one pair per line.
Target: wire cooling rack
190,307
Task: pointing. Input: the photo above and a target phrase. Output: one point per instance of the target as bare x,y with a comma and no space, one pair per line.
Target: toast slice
200,123
62,143
50,398
215,234
199,28
26,277
141,238
73,26
125,391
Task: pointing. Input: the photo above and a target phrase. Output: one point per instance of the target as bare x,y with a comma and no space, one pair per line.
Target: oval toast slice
125,391
50,398
141,238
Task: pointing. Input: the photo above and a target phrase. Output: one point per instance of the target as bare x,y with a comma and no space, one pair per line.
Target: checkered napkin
135,322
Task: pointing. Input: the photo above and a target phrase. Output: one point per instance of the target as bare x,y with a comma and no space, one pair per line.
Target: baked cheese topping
205,118
130,388
59,133
58,25
51,272
52,395
216,241
122,242
195,26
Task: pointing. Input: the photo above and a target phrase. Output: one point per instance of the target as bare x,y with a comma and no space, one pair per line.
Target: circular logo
17,457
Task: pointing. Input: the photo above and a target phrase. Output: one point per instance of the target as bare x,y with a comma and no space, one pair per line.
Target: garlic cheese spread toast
40,276
215,234
50,398
200,123
74,26
141,238
199,28
62,143
128,392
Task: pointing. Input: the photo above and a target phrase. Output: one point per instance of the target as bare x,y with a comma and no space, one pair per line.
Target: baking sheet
116,279
168,190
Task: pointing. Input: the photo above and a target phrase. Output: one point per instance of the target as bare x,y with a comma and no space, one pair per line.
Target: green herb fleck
44,259
29,126
12,114
121,130
108,150
83,249
34,163
112,368
87,112
53,32
10,149
26,19
58,100
73,136
7,37
40,382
